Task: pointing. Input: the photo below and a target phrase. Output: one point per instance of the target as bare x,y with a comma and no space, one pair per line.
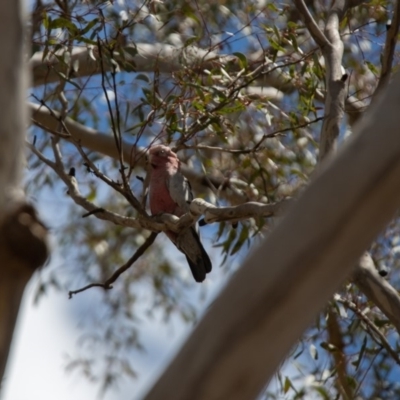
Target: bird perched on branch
170,192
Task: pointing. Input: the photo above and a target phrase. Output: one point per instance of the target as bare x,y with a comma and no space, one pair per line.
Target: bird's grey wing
180,191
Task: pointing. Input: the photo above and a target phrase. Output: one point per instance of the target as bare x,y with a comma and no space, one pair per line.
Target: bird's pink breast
160,199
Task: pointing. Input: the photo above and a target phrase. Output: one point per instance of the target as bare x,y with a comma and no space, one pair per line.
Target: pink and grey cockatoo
170,192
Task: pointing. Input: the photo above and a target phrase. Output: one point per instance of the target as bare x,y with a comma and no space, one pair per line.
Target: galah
170,192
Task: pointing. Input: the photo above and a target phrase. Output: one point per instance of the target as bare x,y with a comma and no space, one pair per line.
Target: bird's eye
162,152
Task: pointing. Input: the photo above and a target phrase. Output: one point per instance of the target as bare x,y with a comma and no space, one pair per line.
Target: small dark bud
87,167
383,270
71,171
344,77
202,222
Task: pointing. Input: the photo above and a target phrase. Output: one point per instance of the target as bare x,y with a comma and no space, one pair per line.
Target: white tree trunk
22,237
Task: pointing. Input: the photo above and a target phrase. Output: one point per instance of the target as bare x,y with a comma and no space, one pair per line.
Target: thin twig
52,131
107,285
381,340
115,185
336,338
256,147
59,118
116,130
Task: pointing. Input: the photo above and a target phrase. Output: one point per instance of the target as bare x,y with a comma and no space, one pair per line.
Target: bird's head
161,155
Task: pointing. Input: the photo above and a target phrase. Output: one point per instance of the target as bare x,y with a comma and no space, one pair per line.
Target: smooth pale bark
167,59
272,299
377,289
164,58
331,46
22,237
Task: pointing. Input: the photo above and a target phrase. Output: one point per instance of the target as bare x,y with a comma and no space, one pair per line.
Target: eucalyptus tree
255,98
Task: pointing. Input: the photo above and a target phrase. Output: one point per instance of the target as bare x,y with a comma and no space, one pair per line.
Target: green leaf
372,68
242,59
272,7
45,52
277,32
287,385
86,40
131,50
323,392
46,20
381,322
275,45
298,354
191,41
361,354
89,26
293,39
143,77
244,235
63,76
64,23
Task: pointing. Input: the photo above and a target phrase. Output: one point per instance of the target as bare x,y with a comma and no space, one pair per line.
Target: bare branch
236,213
354,109
108,283
378,290
163,222
73,191
388,52
338,355
335,80
332,48
312,26
376,334
149,57
257,146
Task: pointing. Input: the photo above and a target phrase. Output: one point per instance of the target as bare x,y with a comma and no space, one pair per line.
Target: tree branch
378,290
163,222
332,49
311,25
163,57
338,355
376,334
388,52
236,213
108,283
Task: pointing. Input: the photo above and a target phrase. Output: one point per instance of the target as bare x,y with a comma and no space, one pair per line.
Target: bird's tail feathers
189,243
